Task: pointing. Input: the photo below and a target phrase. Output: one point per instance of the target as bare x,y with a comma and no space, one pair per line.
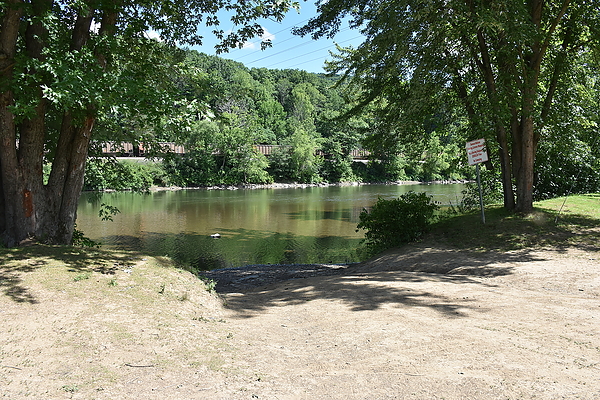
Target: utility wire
305,54
276,33
290,48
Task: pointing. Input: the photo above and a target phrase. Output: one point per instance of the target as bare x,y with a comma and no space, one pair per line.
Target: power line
276,33
305,54
279,48
310,41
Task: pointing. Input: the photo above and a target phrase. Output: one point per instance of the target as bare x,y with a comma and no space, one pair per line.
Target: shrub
391,223
491,188
196,168
102,174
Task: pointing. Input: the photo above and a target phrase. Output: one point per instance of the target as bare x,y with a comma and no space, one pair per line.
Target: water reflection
266,226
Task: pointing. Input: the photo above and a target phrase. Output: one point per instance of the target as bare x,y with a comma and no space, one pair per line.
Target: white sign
477,151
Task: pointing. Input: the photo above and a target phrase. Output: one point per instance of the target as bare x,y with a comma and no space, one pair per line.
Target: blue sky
288,51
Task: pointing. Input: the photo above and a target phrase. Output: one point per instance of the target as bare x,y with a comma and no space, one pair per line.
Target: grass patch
82,276
555,223
79,272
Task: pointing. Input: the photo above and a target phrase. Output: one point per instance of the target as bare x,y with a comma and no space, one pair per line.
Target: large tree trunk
27,207
516,78
12,198
66,180
524,174
505,168
485,66
32,131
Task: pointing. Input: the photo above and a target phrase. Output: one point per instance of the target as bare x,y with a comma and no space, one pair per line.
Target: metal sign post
480,196
477,154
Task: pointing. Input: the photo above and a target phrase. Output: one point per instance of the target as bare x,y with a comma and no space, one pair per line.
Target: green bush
391,223
196,168
565,168
103,174
491,189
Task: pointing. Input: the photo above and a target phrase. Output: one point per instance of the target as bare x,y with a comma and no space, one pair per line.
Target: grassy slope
559,222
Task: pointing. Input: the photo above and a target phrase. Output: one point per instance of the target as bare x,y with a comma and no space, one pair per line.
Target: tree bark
68,167
32,131
485,67
28,207
11,197
67,181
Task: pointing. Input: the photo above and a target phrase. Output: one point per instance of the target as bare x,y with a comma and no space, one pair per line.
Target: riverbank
302,185
505,311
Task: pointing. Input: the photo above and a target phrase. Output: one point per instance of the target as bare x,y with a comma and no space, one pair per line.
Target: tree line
302,115
428,77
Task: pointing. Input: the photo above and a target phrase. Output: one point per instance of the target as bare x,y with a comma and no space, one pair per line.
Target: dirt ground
417,323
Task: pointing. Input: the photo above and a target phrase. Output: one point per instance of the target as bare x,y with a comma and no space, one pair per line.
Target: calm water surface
258,226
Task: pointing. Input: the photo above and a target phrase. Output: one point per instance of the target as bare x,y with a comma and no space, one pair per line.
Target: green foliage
107,211
102,174
337,167
297,161
459,71
210,284
196,168
80,240
305,163
391,223
238,161
491,189
82,277
439,161
225,109
70,67
199,165
565,169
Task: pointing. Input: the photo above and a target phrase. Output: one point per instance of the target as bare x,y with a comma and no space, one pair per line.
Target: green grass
555,223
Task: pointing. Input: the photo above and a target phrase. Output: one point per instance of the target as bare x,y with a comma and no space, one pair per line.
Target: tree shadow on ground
461,250
386,280
505,231
16,262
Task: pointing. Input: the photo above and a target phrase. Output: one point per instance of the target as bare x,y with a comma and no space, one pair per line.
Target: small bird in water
215,235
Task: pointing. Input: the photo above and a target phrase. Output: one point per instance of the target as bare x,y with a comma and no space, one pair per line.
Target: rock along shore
301,185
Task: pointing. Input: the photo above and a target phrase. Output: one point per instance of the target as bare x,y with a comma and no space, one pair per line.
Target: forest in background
224,109
221,110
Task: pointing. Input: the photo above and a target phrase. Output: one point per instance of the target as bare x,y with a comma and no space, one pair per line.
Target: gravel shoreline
301,185
248,277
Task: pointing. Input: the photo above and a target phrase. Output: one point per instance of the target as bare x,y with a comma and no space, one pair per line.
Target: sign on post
477,151
477,154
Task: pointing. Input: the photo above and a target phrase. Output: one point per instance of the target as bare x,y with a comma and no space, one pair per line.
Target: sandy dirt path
421,323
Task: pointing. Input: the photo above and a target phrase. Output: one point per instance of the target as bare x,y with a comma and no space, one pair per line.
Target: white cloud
255,44
153,35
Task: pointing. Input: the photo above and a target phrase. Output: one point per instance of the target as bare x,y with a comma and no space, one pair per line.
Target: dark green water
259,226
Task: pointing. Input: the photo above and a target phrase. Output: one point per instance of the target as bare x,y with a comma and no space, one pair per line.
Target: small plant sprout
82,276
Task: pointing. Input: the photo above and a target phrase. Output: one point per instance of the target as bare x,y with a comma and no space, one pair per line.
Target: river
256,226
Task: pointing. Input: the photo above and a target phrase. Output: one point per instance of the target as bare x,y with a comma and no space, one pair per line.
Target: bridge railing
130,150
